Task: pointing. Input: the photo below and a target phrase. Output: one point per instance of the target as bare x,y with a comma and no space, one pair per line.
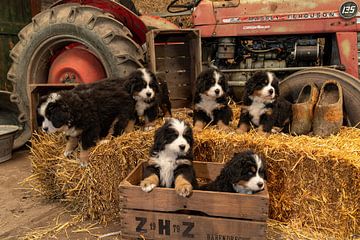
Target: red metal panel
121,13
347,44
251,18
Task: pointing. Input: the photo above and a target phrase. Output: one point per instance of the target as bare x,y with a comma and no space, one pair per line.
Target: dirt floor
25,215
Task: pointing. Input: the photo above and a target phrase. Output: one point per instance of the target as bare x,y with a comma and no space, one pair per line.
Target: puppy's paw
84,164
67,153
184,189
147,186
225,128
240,131
197,129
148,128
104,141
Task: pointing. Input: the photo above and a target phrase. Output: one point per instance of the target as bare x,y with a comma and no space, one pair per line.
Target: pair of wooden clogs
320,112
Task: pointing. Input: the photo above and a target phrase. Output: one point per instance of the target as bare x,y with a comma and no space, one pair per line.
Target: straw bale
313,183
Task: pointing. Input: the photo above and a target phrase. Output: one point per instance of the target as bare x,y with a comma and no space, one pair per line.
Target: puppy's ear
129,85
59,114
276,83
159,139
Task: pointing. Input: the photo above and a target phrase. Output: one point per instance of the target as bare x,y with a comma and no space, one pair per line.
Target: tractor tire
52,30
291,86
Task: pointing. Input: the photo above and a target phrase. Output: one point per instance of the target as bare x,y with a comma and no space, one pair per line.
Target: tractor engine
264,52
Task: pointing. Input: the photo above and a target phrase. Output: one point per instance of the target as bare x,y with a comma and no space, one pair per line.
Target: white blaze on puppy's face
268,91
256,183
146,93
179,146
216,90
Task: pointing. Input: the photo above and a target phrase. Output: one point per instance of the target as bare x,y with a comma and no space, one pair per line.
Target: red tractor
86,40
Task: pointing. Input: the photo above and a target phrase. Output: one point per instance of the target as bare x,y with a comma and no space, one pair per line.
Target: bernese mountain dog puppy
87,113
211,100
149,94
171,157
262,107
244,173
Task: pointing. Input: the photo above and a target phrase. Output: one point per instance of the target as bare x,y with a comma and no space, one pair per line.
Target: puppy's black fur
172,151
238,169
148,107
90,111
267,112
209,106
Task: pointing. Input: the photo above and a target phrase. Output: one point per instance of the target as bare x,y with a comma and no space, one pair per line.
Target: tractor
81,41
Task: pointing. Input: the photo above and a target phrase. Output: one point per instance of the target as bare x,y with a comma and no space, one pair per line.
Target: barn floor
23,213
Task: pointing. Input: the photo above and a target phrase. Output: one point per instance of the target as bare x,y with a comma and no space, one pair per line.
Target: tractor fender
120,13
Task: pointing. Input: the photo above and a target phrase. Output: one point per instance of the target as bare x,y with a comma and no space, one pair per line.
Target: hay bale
313,183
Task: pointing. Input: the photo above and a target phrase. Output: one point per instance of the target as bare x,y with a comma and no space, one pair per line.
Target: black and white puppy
262,106
149,94
244,173
211,100
171,157
87,113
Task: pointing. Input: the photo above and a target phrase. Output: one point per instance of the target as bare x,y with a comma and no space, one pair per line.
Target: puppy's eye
253,169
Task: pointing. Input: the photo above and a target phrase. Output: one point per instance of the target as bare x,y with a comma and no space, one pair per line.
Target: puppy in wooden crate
211,100
171,157
244,173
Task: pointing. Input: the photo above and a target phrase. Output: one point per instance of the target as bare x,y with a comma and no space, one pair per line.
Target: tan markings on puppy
198,126
260,129
222,126
182,186
84,158
257,93
111,130
242,183
167,114
243,128
149,183
130,126
149,125
71,144
269,111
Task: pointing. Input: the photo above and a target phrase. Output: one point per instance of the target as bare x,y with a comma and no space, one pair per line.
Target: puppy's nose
148,94
217,91
271,91
182,147
45,129
260,184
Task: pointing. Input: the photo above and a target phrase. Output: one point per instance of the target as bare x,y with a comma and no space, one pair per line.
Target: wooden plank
171,50
234,205
155,225
173,64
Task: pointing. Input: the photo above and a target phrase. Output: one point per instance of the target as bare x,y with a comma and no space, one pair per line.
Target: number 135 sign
348,10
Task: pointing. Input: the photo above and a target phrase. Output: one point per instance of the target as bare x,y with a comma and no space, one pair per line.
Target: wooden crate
162,214
175,56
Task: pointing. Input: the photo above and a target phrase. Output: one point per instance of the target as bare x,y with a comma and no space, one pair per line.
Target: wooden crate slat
155,225
171,50
170,64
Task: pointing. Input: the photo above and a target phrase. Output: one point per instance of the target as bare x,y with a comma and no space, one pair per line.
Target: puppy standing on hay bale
211,101
244,173
149,94
262,106
87,113
171,158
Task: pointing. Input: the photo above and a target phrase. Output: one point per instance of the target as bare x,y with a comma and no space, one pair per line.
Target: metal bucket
7,135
